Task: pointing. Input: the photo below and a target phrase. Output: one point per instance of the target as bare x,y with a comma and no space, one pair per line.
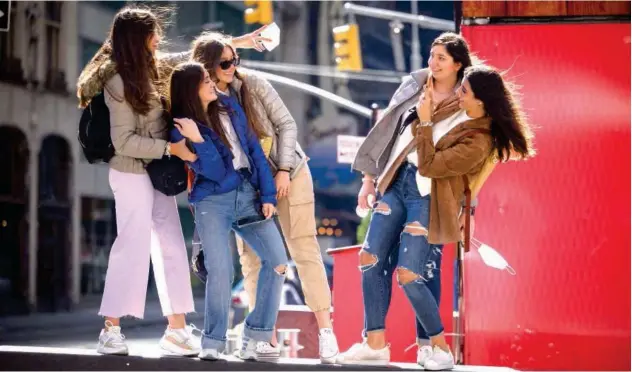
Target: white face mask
493,259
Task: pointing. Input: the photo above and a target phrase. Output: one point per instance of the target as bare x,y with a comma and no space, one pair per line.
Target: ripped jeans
398,231
215,217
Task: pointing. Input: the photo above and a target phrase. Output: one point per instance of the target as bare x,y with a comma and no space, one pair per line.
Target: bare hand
462,225
268,210
252,40
189,129
368,188
282,182
425,106
181,150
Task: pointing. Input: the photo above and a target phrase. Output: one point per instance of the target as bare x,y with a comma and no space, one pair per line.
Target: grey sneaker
248,349
112,341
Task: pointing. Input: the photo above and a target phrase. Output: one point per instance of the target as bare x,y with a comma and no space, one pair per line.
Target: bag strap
468,193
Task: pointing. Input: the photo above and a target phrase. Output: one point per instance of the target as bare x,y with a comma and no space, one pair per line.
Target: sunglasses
225,65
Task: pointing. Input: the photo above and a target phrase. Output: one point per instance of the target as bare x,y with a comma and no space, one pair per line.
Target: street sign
5,15
347,148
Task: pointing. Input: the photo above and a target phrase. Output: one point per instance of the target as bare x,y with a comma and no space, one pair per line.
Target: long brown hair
207,49
184,100
511,134
127,47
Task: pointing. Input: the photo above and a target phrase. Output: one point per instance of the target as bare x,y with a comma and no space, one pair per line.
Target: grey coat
277,121
376,148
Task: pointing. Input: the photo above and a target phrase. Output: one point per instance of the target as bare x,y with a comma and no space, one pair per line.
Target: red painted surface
348,313
562,219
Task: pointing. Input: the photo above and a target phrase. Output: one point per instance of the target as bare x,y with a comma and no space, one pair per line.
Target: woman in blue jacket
233,189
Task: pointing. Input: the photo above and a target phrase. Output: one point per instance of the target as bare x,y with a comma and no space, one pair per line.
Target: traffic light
347,47
258,11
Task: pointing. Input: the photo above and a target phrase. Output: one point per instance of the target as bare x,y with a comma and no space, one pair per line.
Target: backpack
94,131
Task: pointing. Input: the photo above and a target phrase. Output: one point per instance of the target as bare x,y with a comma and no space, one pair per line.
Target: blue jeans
394,248
433,284
216,216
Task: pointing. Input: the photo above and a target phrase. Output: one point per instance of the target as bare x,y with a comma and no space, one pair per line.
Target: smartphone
273,33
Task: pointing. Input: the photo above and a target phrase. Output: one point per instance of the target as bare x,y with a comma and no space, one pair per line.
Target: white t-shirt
439,130
240,160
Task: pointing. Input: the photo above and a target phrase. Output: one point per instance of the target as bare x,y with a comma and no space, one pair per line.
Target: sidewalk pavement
83,318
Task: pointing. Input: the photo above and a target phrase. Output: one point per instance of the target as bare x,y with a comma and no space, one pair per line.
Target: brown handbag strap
467,210
468,193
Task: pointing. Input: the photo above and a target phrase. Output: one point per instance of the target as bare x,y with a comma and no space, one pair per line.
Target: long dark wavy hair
184,99
127,46
457,48
207,49
511,134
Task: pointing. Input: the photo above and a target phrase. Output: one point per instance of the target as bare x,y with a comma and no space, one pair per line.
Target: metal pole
318,92
396,42
415,52
381,76
32,17
420,20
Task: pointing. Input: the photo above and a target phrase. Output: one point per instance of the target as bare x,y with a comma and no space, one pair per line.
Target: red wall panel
562,219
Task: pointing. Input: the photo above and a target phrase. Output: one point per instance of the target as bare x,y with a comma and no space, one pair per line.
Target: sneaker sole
329,360
247,357
121,352
365,362
170,349
439,368
268,358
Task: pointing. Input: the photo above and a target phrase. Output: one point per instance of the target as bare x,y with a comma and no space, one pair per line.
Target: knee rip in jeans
281,269
415,229
406,276
382,208
367,260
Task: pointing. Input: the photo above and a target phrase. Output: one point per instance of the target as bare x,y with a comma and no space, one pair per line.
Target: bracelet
425,123
365,179
283,170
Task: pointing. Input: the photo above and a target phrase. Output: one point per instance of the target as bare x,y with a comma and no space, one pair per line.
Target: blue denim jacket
214,171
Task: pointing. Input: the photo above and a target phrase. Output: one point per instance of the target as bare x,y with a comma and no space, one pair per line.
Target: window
7,39
53,31
10,66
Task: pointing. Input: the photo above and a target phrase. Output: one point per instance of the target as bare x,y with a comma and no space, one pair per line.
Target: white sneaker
248,349
423,353
266,352
327,346
112,341
439,360
180,342
209,354
362,354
